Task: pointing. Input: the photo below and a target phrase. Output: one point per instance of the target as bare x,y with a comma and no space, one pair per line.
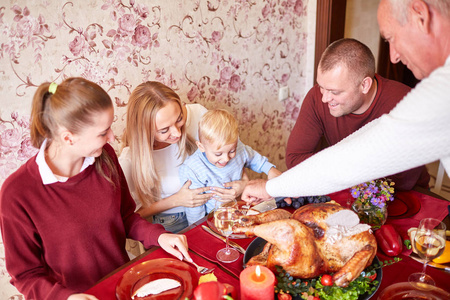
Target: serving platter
257,245
151,270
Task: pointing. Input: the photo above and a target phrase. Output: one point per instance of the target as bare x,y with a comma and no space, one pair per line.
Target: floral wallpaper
232,54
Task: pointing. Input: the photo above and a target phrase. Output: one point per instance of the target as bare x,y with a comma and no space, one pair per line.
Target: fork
202,270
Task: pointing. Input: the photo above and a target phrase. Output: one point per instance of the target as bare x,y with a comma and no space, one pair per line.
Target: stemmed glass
224,218
429,242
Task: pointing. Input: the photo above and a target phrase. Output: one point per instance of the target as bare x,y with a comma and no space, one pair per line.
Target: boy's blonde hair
218,126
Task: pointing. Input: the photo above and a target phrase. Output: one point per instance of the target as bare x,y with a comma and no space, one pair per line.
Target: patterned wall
220,53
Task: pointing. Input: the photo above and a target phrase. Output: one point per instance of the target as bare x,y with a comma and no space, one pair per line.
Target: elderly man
347,96
414,133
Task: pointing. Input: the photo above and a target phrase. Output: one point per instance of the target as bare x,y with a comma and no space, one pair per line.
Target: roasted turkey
316,239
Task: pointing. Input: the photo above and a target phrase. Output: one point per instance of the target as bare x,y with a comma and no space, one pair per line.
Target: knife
416,257
231,243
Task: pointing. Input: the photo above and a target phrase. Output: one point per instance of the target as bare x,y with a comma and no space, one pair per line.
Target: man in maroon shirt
347,96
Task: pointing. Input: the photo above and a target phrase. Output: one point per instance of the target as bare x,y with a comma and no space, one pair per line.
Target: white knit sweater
414,133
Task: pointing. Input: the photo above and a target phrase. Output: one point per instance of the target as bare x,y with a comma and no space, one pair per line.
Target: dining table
203,247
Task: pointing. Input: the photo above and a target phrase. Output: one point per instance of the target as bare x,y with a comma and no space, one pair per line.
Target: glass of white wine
224,218
429,242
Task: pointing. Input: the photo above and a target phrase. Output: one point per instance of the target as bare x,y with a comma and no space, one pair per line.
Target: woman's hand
82,297
192,198
175,244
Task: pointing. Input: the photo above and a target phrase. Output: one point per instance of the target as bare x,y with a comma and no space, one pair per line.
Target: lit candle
257,283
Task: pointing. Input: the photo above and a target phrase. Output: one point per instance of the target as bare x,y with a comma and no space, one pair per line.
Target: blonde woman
157,139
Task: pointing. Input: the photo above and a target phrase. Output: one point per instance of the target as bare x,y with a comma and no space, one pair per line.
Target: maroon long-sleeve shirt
63,237
315,121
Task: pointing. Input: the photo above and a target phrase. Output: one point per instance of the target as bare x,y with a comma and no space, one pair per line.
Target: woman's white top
166,160
416,132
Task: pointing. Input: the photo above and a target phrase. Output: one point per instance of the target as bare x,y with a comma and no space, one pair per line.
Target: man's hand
255,191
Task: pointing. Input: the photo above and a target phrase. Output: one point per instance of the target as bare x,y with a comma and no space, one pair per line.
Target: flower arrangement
371,198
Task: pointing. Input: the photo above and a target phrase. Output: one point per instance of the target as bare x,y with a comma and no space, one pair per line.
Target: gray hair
400,8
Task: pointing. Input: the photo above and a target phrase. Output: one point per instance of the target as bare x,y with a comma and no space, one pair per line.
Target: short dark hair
352,54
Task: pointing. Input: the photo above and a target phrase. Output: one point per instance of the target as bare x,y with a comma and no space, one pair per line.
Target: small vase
372,215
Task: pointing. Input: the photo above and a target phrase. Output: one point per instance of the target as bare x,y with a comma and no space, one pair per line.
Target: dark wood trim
330,25
398,72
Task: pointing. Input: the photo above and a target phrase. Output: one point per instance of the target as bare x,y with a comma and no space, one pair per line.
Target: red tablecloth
206,246
106,289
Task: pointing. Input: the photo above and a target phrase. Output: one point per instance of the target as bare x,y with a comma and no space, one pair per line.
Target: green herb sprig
306,287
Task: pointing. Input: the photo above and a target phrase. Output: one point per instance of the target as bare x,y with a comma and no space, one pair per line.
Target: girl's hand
82,297
192,198
175,244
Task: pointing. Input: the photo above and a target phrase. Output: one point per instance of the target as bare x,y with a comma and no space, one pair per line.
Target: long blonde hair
73,105
144,103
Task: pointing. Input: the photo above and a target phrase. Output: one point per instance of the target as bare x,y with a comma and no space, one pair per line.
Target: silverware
231,243
200,269
416,257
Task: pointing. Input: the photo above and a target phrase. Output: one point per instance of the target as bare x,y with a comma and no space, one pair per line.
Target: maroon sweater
315,121
62,238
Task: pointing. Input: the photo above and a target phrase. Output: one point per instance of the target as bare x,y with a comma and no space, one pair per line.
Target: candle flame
258,271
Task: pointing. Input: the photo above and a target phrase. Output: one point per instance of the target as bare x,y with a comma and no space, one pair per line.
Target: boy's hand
273,172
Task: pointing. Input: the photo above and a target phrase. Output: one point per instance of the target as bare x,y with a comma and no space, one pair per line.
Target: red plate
405,204
155,269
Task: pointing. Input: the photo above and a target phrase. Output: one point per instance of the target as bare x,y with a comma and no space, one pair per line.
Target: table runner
206,245
106,289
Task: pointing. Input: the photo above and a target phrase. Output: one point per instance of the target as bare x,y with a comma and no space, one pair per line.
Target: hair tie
52,88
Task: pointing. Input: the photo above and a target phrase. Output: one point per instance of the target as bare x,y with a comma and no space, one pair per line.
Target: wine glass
224,218
429,242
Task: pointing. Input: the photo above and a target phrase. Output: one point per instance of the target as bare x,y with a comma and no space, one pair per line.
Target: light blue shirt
202,173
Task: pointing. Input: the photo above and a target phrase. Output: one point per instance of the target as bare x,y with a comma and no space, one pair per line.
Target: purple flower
355,193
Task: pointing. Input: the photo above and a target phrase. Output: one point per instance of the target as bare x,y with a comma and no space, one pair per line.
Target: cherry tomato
284,297
326,280
316,298
372,277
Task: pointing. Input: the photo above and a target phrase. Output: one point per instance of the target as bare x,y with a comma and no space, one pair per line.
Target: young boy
220,158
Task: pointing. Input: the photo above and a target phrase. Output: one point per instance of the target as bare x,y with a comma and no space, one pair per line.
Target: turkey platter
316,239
